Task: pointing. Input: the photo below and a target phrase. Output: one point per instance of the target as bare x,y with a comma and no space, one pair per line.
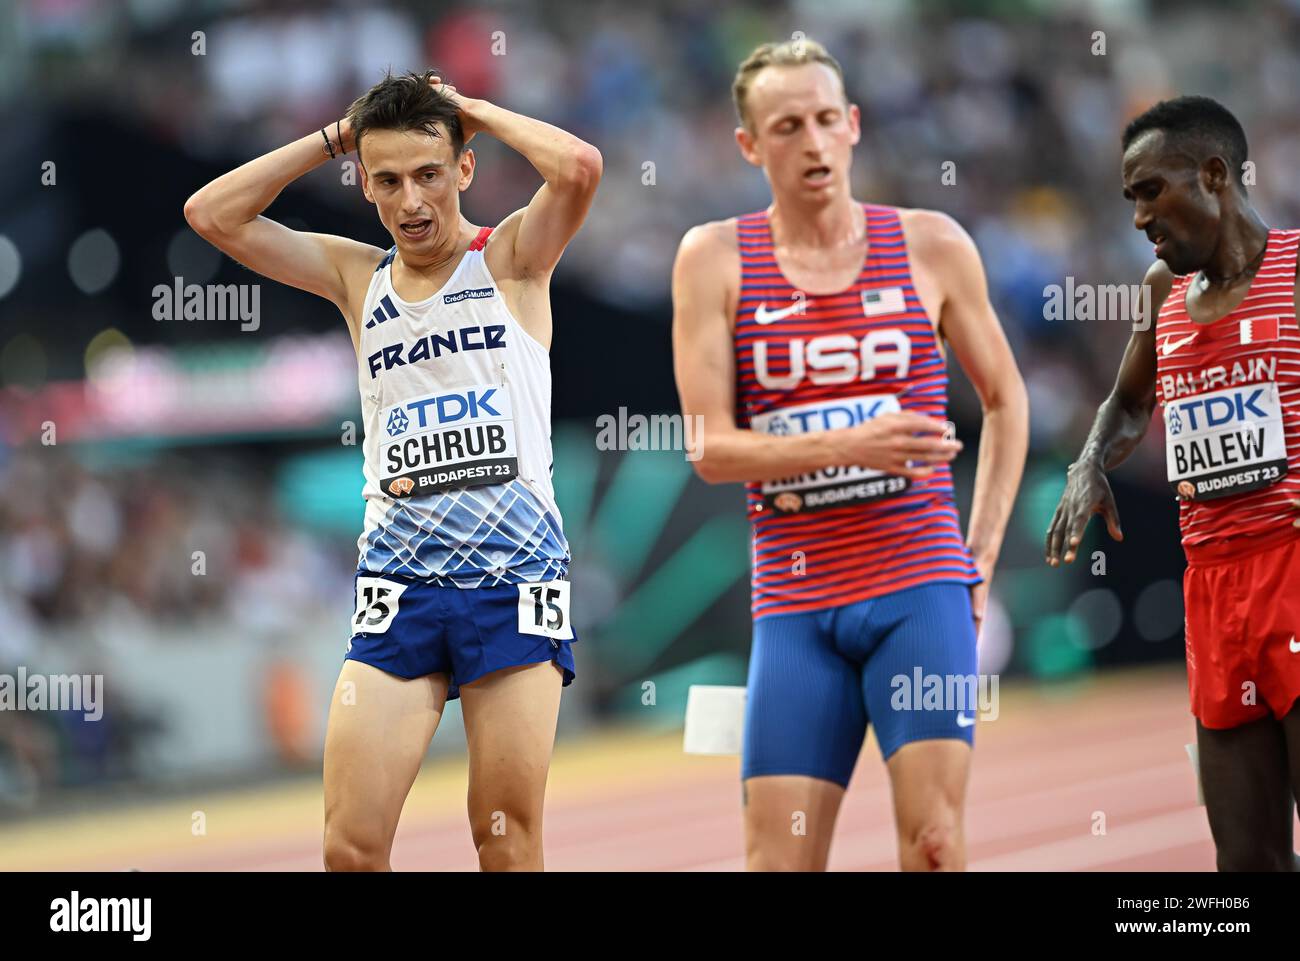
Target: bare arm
570,166
1121,422
705,370
968,323
227,213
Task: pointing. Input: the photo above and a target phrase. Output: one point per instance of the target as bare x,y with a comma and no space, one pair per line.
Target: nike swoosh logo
964,721
765,316
1294,646
1172,345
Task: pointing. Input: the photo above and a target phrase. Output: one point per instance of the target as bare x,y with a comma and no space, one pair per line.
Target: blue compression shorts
817,679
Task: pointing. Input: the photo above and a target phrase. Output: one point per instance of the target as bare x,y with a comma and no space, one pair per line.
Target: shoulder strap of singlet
758,270
883,212
388,258
1284,247
884,229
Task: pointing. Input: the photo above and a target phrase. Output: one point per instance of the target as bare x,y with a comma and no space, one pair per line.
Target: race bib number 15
544,610
376,604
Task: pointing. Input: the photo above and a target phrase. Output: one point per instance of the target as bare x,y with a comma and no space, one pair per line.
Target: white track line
1134,839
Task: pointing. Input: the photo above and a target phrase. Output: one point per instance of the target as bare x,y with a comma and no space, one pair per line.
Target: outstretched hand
1087,492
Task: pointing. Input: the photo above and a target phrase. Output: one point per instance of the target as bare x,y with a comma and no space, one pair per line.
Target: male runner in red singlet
1223,362
809,336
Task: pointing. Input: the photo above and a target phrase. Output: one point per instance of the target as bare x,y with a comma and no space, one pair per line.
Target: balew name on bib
1225,441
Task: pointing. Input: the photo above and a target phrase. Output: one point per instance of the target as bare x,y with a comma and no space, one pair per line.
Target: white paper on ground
715,719
1196,768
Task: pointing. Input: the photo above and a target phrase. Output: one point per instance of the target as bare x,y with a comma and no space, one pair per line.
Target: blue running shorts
411,628
816,679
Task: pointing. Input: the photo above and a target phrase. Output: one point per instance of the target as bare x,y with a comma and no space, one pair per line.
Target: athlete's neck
432,263
1242,236
842,223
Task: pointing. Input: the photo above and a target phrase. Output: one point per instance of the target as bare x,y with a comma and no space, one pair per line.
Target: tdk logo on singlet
448,408
830,416
398,422
491,337
478,293
1215,411
837,359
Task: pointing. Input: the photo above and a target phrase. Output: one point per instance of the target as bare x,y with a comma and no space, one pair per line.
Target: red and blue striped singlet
810,362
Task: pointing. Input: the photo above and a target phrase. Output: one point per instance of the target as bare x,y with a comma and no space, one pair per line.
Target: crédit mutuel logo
53,692
967,694
76,914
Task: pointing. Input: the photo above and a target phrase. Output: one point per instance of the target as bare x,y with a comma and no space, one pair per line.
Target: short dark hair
406,102
1204,126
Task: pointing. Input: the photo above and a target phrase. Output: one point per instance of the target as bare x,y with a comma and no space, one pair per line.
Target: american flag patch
887,301
1259,329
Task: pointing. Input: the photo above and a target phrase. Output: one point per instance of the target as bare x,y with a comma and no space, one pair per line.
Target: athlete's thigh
1248,794
378,732
512,647
789,822
923,693
803,710
387,703
510,718
804,726
928,780
1274,613
921,678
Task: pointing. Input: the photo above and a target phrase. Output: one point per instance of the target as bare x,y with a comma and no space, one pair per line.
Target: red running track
1089,776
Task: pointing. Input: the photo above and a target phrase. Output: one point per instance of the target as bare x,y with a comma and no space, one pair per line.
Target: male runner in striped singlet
461,586
1223,363
809,336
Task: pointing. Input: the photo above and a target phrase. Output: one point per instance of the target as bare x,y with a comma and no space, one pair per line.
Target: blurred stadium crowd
1026,100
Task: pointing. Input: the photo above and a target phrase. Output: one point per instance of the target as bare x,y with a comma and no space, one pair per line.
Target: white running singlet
456,401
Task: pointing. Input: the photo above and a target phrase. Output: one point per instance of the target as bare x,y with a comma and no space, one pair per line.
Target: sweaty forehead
402,150
779,90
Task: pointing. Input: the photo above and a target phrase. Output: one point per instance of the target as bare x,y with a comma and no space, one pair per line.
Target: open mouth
416,229
817,176
1159,241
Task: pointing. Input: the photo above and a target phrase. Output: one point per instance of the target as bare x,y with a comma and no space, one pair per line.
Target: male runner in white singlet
461,586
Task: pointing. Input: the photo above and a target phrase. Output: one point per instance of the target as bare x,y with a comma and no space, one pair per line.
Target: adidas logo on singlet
385,311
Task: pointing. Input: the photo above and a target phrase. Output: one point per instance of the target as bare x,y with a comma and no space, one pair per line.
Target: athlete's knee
348,852
507,840
933,843
783,857
777,848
